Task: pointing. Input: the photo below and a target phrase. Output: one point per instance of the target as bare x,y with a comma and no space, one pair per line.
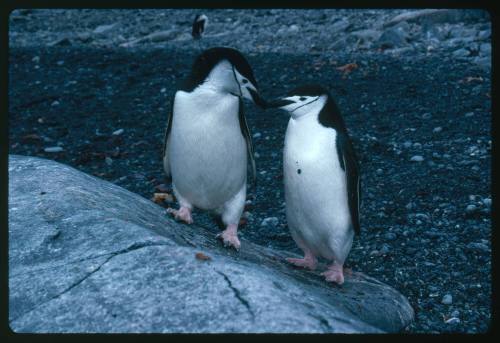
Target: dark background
418,108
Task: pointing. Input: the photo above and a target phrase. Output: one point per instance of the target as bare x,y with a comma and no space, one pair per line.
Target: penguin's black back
206,61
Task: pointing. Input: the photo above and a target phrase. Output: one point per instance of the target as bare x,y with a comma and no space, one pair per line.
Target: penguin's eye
302,98
244,81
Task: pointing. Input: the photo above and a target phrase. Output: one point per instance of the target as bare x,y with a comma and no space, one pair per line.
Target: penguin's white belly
207,151
316,191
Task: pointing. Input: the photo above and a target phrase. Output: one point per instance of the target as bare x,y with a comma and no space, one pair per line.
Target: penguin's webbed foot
184,214
229,237
334,274
306,262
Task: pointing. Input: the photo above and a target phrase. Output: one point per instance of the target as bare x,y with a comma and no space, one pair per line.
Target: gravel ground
419,113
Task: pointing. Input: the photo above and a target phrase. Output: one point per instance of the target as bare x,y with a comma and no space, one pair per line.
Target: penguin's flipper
348,162
166,163
248,138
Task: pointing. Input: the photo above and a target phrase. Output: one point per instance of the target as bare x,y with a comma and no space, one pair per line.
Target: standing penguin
321,179
199,26
207,139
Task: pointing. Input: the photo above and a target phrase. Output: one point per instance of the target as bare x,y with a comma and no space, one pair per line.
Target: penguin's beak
257,98
279,103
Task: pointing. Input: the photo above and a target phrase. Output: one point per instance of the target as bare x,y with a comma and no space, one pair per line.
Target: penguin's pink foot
229,237
309,261
334,274
184,214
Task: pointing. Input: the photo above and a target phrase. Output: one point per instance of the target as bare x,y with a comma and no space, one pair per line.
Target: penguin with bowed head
321,177
207,142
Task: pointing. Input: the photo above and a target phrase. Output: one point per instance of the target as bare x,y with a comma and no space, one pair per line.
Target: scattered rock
84,37
392,37
63,41
53,149
153,37
436,16
471,209
202,257
447,299
462,52
103,29
478,247
452,320
390,236
417,158
367,35
293,29
118,132
340,25
437,129
385,249
270,221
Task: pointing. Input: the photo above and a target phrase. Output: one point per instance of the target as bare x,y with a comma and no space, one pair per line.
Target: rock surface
94,257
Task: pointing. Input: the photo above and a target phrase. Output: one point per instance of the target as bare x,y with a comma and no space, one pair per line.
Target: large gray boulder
88,256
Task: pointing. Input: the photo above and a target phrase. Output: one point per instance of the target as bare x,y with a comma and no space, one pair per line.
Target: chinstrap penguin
200,24
207,139
321,179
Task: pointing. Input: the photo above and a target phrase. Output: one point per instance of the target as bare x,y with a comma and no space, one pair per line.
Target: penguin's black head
225,70
302,100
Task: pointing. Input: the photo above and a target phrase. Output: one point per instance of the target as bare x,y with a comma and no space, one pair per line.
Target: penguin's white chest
315,188
207,150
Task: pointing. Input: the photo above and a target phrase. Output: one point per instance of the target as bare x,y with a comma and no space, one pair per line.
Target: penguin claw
229,239
302,262
183,214
334,274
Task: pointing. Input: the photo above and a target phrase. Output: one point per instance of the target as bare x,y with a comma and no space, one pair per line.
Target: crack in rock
323,321
237,293
133,247
92,257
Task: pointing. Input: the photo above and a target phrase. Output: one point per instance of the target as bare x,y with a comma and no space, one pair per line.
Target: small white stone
257,135
118,132
55,103
417,158
270,221
471,208
469,114
447,299
437,129
108,160
53,149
